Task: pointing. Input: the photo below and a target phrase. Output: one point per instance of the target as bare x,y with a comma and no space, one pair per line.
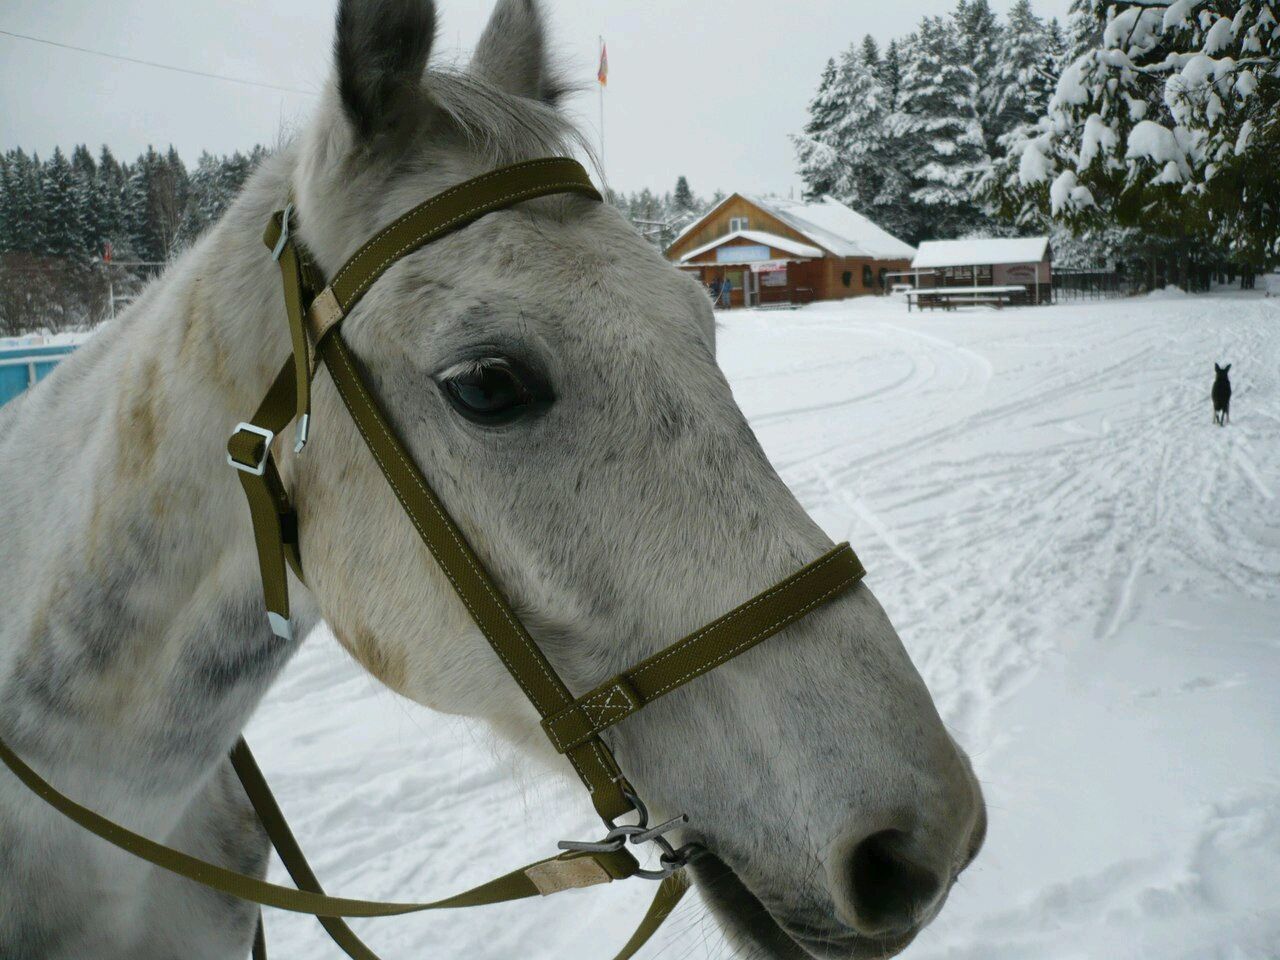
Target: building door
737,292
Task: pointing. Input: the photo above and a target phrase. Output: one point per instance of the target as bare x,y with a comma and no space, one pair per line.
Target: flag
603,73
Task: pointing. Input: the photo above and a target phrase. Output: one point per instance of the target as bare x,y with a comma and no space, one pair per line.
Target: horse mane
504,128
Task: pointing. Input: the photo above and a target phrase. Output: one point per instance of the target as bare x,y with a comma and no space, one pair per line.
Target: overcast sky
709,90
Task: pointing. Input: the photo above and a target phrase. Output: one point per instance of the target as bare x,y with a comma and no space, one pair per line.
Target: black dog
1221,395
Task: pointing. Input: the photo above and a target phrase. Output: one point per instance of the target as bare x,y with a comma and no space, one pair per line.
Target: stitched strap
573,726
488,607
452,210
435,217
736,632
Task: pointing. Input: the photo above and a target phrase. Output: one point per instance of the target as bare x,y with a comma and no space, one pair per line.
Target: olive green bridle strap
260,940
573,724
275,524
545,877
563,872
669,892
487,605
735,632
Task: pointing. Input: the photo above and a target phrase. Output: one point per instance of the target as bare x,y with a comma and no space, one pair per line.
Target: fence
55,294
1088,285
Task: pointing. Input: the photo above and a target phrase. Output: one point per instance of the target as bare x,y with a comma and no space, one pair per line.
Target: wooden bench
947,298
931,302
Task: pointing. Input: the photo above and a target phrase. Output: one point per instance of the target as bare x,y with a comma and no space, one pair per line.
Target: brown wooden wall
807,280
831,278
718,226
817,279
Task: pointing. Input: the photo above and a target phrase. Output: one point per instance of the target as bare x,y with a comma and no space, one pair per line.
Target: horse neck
134,643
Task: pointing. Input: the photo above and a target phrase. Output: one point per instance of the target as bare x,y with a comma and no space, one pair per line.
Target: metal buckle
301,432
670,858
259,468
278,250
281,627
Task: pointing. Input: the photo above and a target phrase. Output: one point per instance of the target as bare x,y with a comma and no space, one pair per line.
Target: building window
967,276
737,223
868,276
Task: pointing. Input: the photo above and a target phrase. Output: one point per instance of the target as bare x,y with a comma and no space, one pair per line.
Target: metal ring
639,833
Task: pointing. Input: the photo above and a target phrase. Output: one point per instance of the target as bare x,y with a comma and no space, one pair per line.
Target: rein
574,725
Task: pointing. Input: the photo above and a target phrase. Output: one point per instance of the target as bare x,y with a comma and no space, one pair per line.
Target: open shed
987,262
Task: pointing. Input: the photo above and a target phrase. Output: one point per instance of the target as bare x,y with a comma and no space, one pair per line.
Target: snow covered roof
835,227
757,236
827,222
965,253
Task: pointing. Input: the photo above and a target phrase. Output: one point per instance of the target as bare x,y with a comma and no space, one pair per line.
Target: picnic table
946,298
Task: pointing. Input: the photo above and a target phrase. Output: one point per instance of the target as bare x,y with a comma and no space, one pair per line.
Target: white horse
630,505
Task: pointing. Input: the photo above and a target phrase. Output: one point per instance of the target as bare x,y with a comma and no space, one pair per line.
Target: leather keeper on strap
738,630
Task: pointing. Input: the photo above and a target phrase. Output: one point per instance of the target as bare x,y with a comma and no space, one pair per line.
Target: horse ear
381,49
1216,368
512,52
1226,368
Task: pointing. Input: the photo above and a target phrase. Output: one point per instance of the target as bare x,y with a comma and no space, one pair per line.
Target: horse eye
495,391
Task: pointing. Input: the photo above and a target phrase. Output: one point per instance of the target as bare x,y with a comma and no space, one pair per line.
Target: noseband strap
734,633
315,311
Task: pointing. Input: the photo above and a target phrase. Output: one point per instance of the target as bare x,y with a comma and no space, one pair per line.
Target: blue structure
22,366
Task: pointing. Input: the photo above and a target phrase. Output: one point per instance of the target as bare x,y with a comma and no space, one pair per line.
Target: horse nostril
890,891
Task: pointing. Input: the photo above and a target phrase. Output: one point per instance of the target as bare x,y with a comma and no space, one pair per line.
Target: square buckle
259,468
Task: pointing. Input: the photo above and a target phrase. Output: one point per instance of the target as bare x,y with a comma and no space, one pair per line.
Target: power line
158,66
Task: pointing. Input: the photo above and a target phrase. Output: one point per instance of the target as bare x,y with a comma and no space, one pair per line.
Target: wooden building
987,262
774,251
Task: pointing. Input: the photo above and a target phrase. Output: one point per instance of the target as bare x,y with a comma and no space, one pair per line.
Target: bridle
574,725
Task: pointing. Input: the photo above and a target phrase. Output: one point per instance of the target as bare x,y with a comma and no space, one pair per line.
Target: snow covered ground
1085,569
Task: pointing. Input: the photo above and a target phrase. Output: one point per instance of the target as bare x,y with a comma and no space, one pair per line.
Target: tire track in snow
1101,496
990,416
830,407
